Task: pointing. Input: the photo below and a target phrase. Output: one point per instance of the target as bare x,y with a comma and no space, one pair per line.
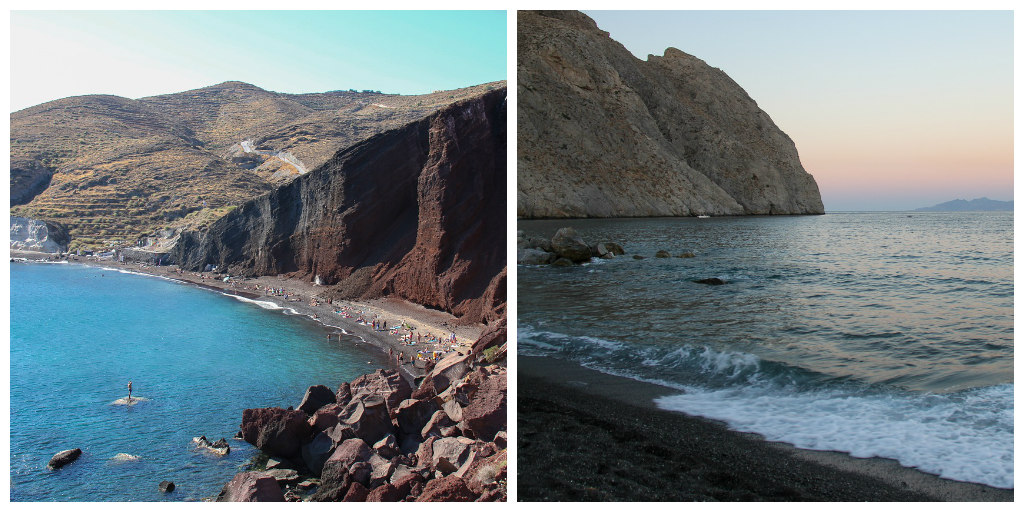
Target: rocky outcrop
38,236
446,443
416,213
604,134
251,486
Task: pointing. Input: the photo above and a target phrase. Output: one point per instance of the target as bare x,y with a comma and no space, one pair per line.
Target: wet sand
587,436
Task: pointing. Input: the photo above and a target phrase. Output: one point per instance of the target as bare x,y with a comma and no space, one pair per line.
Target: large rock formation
416,213
604,134
38,236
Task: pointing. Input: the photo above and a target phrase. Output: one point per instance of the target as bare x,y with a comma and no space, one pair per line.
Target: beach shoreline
590,436
299,295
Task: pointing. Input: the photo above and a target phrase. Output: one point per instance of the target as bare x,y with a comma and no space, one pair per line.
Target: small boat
703,216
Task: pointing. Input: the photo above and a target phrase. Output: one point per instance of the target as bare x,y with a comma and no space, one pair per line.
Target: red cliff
416,213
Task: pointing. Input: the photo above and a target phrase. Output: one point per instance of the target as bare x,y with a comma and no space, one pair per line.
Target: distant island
983,204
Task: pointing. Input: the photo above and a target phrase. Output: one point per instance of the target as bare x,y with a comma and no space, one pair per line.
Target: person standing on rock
129,392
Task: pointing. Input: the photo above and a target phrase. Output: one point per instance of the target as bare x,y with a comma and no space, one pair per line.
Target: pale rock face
35,235
604,134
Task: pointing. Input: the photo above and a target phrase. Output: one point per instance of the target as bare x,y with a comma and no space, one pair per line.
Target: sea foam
965,436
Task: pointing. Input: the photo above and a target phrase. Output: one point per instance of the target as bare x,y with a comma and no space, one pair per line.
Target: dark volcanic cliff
604,134
417,212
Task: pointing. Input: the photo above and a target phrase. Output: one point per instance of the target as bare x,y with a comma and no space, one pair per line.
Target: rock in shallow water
568,244
533,257
166,486
64,458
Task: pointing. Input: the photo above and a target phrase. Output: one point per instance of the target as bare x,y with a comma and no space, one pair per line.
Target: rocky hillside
113,169
416,212
604,134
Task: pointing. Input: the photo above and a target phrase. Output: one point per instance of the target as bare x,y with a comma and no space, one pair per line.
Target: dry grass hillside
115,169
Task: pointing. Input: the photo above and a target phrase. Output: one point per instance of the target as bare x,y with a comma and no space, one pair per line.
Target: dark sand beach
588,436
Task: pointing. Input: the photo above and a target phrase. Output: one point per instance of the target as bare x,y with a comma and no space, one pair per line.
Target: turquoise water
79,334
876,334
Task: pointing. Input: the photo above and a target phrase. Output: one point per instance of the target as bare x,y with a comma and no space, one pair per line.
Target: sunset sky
55,54
889,110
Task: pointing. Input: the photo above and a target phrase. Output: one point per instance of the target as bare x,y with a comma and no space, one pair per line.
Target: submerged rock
711,280
662,254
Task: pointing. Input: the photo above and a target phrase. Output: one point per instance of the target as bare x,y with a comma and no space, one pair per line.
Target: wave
265,304
967,435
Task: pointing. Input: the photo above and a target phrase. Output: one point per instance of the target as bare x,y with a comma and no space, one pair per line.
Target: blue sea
79,334
874,334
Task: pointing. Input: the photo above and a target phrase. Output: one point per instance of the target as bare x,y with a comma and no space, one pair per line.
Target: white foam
124,400
265,304
965,436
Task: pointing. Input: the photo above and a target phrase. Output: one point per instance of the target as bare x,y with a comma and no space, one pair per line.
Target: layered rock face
417,212
604,134
36,235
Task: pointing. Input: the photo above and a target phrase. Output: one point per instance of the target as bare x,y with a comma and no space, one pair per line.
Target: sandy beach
588,436
417,333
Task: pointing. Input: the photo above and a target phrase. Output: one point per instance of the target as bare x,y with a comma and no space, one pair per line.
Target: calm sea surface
79,334
876,334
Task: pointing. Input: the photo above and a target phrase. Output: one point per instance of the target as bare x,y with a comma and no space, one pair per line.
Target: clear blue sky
55,54
888,109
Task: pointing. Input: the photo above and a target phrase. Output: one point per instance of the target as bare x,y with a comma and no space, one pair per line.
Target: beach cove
336,349
868,336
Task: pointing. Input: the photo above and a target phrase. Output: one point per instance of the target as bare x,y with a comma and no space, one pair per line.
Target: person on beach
129,391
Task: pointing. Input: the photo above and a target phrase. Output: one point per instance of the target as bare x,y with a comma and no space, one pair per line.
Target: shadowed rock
568,244
714,281
276,431
370,421
64,458
315,398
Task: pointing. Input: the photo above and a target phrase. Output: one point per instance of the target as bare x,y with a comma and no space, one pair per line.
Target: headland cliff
604,134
